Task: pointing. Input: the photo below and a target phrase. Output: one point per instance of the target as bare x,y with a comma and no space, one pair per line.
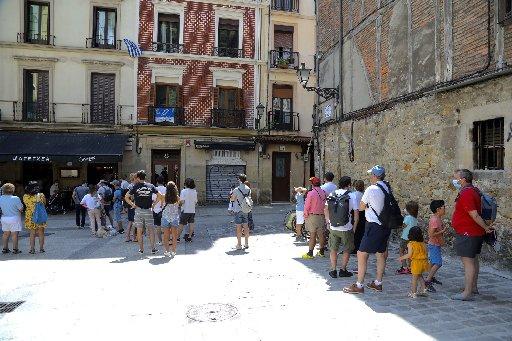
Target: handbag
40,216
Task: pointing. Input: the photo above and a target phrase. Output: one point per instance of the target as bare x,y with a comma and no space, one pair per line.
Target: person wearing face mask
470,229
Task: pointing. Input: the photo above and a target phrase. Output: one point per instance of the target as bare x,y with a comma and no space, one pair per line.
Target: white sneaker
167,254
173,254
238,247
159,243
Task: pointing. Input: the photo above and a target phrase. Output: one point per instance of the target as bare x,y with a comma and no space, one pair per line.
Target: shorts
131,214
187,218
344,238
11,224
166,224
143,218
375,238
157,218
117,212
107,208
434,255
403,244
299,217
241,218
315,222
468,246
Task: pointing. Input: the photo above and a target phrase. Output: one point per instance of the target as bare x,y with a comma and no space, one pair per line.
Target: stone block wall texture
198,39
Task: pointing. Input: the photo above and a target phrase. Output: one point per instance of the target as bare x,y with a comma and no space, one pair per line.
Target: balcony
284,59
36,38
228,118
286,5
36,112
103,43
279,120
167,47
228,52
169,116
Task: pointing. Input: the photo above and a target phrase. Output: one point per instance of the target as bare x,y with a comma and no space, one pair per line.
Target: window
167,95
104,30
103,99
36,97
283,37
285,5
37,23
228,38
488,140
168,33
281,117
505,11
228,98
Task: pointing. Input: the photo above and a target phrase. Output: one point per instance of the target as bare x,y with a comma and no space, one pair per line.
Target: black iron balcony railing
36,38
228,118
163,115
103,43
36,112
167,47
283,121
284,59
228,52
286,5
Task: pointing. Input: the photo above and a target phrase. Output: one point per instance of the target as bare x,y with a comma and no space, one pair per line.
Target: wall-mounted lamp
303,74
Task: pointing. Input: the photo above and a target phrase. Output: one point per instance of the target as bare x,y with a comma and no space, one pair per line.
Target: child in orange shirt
417,253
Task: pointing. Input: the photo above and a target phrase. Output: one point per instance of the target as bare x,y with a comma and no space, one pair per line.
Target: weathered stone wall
421,142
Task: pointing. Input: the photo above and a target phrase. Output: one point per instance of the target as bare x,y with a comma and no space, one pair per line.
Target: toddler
410,221
417,253
435,241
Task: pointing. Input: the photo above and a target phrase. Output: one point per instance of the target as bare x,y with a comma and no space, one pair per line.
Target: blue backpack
40,216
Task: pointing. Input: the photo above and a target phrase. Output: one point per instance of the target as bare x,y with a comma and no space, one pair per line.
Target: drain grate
212,312
8,307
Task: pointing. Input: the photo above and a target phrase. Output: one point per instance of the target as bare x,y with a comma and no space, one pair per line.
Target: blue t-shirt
118,194
10,205
409,222
299,197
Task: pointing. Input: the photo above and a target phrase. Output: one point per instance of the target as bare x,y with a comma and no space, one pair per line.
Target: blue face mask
456,184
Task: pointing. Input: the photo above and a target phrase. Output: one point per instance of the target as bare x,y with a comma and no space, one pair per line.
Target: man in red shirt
470,229
314,216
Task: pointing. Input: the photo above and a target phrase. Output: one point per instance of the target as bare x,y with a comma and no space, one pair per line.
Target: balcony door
228,38
104,32
282,107
37,22
168,33
103,99
228,104
36,97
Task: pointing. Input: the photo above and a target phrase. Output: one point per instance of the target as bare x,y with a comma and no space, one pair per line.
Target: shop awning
225,145
62,147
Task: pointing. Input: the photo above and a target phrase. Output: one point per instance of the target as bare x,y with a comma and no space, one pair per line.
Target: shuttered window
36,101
228,98
488,141
103,98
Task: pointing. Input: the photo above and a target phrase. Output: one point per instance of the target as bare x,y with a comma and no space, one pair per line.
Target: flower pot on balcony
283,63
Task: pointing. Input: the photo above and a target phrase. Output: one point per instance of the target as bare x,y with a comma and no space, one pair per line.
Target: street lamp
303,75
260,111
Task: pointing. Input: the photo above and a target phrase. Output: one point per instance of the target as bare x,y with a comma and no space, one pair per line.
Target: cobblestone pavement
85,288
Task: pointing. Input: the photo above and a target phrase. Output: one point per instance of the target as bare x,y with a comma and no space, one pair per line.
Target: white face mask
456,184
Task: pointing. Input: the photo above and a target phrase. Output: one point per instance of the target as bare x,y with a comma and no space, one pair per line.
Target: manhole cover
8,307
212,312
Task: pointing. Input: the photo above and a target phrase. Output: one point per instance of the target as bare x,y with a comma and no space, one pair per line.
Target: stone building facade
427,89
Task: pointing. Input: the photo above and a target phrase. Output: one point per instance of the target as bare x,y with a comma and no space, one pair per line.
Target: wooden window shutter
179,96
152,94
240,99
215,94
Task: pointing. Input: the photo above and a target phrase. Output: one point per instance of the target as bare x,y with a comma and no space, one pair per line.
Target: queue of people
362,222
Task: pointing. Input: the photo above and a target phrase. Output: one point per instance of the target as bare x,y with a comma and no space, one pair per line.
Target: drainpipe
340,85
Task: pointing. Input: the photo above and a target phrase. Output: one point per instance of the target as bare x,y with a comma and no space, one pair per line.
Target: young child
435,241
417,253
410,221
300,196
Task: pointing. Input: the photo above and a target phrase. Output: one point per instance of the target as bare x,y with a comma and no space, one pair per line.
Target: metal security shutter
103,101
219,181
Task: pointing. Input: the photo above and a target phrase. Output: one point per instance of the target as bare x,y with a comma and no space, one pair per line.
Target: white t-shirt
189,198
352,205
54,189
91,202
374,198
329,187
125,184
358,195
162,190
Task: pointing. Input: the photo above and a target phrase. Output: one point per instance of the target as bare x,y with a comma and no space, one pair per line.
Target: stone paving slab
84,288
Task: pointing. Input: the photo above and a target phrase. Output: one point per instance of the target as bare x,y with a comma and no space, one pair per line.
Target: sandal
42,251
16,251
127,240
32,251
6,251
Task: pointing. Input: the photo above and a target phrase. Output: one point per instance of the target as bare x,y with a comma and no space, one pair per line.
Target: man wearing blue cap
376,236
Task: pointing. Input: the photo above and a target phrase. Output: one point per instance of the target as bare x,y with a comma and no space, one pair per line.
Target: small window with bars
488,142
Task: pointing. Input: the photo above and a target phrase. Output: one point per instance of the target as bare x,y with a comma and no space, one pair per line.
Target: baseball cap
315,181
377,170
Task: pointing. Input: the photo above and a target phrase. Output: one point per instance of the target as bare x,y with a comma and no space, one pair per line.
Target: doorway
281,176
101,171
165,163
40,172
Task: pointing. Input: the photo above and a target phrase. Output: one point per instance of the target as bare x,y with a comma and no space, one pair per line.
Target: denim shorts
434,255
165,224
118,208
241,218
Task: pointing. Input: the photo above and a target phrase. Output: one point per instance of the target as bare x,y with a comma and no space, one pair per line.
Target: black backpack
338,206
109,195
391,216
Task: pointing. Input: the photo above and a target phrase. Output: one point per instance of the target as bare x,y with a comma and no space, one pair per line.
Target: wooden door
103,100
166,163
281,176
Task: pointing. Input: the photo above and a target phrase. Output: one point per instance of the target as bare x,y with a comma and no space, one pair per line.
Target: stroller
56,204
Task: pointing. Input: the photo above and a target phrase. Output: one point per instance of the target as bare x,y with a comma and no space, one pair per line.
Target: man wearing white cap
376,236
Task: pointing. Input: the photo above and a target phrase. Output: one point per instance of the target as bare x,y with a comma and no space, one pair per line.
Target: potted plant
283,63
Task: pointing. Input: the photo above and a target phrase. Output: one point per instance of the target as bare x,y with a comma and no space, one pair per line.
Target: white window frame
234,14
163,7
227,74
168,71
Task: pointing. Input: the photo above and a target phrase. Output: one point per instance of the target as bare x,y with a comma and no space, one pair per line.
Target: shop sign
31,158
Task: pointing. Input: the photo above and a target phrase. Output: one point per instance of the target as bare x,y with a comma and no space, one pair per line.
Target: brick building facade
426,90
